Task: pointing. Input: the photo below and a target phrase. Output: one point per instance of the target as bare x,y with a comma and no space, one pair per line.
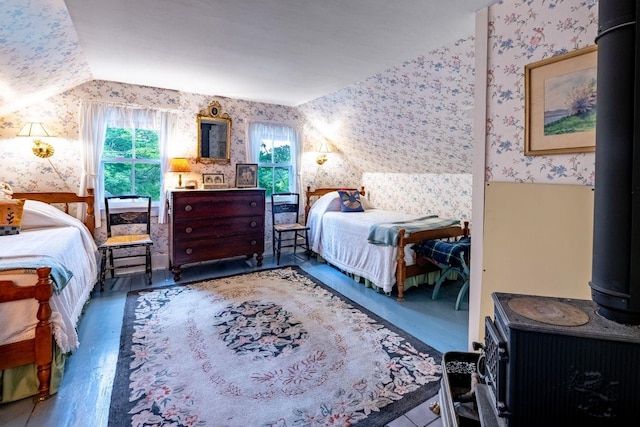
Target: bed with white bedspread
343,239
48,237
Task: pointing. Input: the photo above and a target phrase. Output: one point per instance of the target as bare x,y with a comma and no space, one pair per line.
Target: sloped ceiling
278,51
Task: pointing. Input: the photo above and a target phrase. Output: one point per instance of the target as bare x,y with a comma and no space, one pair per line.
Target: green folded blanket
60,275
387,233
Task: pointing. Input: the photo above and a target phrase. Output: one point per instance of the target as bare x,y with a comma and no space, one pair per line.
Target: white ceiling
277,51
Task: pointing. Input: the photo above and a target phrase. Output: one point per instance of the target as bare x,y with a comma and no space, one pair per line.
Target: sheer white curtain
94,119
259,131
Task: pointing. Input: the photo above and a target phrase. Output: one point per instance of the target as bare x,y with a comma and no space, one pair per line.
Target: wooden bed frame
403,271
39,350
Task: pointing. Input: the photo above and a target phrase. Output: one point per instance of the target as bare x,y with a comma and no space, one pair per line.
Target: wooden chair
287,232
126,230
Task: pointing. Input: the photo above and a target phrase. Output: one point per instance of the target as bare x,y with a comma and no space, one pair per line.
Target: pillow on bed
39,214
350,201
10,216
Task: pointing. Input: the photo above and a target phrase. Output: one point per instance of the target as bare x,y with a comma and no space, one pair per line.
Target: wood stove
556,361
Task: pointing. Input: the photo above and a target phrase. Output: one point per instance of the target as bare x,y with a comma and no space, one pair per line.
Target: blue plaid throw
443,252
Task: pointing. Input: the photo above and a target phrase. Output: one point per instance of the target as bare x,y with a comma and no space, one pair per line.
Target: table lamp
179,165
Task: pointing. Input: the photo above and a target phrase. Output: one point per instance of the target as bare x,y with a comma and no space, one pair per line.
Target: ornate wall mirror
214,135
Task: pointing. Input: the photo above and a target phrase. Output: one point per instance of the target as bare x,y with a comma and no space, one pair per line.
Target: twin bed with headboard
47,271
371,243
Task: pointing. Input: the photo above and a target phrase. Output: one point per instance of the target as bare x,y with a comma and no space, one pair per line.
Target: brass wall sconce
42,149
323,151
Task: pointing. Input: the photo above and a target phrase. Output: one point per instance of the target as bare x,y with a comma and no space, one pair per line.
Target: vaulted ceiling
278,51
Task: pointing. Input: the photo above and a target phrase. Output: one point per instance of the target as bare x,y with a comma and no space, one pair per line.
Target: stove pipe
615,277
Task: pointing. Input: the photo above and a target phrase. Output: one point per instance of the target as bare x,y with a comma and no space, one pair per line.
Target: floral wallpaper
414,117
522,32
37,40
408,127
446,195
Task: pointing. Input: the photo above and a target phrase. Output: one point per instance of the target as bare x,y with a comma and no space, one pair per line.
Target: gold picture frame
560,104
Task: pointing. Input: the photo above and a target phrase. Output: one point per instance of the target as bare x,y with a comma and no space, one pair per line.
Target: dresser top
213,190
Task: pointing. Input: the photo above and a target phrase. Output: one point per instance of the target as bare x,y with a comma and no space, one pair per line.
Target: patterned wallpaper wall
395,130
522,32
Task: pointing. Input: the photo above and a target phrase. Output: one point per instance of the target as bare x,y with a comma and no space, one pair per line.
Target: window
276,157
131,162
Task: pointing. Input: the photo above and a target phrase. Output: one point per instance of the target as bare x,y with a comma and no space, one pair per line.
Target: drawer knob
188,208
189,251
253,204
188,230
253,224
253,243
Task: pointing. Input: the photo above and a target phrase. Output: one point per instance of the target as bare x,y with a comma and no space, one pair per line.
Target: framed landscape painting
560,104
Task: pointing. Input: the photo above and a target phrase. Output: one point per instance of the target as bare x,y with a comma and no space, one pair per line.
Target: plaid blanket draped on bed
387,233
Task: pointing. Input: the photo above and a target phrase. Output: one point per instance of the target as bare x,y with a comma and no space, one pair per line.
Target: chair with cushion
287,232
126,230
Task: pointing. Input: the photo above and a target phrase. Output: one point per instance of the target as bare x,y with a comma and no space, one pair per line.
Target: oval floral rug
270,348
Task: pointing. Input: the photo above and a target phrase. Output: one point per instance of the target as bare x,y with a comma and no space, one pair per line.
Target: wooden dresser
207,225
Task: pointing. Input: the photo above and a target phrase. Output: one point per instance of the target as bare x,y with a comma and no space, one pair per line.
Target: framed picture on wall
246,175
560,104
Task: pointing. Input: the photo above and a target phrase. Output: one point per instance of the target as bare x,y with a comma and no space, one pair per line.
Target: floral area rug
270,348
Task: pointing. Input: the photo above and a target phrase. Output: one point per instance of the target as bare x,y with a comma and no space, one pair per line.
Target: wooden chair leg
111,266
148,264
103,266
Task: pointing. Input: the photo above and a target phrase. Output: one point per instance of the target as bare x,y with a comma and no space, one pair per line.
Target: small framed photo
246,175
213,178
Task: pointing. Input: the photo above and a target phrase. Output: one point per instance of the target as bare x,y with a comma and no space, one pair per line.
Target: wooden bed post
401,271
44,334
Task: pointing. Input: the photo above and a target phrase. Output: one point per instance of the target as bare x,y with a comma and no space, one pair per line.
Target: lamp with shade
40,148
179,165
323,151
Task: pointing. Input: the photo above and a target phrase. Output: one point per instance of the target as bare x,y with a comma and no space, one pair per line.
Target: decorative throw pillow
10,216
350,201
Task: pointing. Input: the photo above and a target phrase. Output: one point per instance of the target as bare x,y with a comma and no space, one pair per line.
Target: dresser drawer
218,227
218,205
195,250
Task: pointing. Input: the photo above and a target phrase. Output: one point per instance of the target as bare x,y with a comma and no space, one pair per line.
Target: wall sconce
323,150
179,164
42,149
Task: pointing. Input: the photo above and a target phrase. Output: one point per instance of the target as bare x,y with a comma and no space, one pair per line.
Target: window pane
265,179
148,180
147,144
266,152
118,143
117,179
281,152
280,179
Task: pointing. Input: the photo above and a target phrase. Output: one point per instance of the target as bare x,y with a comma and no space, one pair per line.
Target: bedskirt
22,382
